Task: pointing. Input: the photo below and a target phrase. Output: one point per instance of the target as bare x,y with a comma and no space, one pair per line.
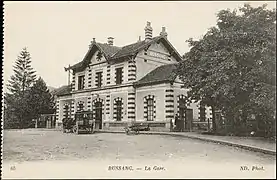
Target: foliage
18,86
24,75
27,97
233,67
40,100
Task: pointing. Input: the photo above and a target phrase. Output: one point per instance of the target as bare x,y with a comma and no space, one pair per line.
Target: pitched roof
133,48
64,90
105,48
164,73
114,52
108,50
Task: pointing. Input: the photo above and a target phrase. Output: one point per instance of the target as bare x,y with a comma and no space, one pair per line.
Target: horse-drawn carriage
82,122
136,128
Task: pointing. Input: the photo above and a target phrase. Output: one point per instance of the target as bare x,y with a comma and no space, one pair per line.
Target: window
66,111
150,109
118,110
80,106
99,79
118,75
182,108
81,82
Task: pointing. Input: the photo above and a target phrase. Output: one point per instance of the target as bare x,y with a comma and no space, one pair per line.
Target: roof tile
160,74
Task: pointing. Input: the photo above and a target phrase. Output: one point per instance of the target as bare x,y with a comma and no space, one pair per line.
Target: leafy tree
233,67
40,100
18,86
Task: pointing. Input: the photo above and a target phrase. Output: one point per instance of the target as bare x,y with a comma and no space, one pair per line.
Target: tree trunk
213,119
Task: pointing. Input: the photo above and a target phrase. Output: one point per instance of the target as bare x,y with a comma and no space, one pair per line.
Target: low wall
202,125
154,126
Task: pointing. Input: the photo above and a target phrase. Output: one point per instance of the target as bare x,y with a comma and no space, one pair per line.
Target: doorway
182,109
189,119
98,114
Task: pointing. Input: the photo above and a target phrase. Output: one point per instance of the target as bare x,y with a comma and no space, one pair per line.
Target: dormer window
119,75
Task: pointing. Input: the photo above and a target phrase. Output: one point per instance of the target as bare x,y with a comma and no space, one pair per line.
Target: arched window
149,108
80,106
66,111
98,111
118,109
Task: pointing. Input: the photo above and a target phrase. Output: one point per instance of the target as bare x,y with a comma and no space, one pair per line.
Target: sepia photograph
138,90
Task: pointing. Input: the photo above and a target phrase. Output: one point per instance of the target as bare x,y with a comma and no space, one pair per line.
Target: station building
137,82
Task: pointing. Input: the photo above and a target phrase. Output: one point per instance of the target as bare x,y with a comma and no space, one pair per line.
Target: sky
58,33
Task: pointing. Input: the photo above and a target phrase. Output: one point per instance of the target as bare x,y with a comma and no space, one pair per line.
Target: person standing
171,125
176,123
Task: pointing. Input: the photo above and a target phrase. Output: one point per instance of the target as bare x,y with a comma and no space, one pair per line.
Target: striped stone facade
72,107
89,104
108,99
89,78
131,71
57,110
73,82
169,104
108,75
131,105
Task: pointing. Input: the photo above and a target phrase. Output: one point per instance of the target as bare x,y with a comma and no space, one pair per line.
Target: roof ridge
143,44
108,45
116,52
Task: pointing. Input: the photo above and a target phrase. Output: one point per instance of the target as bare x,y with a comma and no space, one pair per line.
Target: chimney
139,40
163,33
110,41
148,31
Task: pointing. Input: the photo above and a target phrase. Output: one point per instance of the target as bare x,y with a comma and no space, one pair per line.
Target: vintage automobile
136,128
84,122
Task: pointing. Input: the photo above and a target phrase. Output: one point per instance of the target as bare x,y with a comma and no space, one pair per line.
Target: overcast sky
58,34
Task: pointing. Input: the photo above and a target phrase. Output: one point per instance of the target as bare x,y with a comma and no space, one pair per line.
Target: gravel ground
27,146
